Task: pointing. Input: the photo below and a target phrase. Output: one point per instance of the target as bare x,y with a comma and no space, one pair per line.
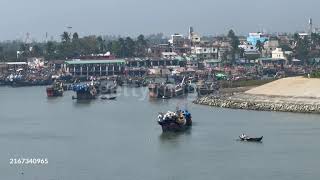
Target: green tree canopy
234,42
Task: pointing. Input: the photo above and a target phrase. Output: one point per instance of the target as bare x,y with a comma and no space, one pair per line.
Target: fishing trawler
55,90
85,91
107,87
167,90
178,121
206,87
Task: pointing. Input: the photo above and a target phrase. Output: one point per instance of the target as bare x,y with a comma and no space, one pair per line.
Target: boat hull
258,139
85,96
162,91
51,92
174,127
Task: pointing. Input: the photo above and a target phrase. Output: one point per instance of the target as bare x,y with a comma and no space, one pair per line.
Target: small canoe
250,139
108,98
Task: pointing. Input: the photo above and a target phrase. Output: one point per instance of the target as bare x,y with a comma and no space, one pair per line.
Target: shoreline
260,102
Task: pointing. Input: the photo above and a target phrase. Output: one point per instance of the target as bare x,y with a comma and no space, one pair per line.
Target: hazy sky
132,17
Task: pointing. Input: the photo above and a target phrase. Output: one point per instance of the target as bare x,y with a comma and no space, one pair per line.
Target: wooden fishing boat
251,139
107,98
175,121
55,90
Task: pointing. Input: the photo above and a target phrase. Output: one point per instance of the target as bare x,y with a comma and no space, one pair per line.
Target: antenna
310,26
27,39
46,40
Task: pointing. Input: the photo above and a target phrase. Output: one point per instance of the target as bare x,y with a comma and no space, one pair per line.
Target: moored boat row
168,89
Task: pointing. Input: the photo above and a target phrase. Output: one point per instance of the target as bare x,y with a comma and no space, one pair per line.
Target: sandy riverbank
292,87
296,94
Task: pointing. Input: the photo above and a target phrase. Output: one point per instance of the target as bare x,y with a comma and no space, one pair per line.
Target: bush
315,74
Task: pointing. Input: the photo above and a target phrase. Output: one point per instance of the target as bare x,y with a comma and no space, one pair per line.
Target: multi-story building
278,53
194,37
203,53
86,68
177,40
253,38
270,46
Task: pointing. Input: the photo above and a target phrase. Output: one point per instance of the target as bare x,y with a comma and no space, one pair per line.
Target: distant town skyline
130,18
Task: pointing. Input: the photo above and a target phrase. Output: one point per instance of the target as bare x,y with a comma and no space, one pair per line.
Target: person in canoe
243,136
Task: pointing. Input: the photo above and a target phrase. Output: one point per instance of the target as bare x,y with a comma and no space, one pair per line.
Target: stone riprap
262,102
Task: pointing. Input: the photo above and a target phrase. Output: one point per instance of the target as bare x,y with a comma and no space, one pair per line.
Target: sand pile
292,87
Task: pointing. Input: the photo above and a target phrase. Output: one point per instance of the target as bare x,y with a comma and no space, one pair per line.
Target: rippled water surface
120,140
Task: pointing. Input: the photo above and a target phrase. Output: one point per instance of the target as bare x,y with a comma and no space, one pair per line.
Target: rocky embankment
294,94
261,103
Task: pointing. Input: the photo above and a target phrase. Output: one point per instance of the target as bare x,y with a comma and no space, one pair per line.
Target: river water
120,140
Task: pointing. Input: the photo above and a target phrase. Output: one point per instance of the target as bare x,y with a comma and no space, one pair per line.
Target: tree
241,52
141,46
116,48
122,50
36,51
296,37
315,40
224,56
129,47
101,44
88,45
50,50
109,46
234,42
65,37
75,36
302,49
259,46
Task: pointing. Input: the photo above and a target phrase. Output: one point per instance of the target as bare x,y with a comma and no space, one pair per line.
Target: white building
204,52
278,53
248,48
176,40
270,46
194,37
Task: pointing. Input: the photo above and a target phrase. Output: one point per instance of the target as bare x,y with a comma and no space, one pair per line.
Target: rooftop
15,63
213,61
77,62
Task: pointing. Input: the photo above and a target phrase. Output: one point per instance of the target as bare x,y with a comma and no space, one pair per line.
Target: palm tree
130,46
75,36
101,44
234,42
141,45
259,46
65,37
296,38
